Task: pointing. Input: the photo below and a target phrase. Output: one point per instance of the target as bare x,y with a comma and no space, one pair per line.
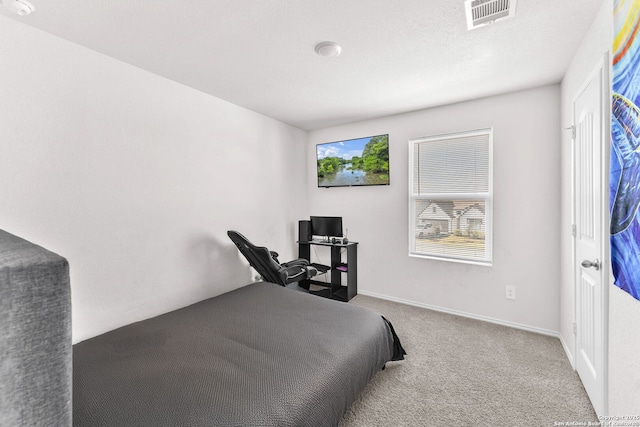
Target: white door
589,120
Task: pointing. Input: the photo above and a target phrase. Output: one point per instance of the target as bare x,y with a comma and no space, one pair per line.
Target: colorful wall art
625,147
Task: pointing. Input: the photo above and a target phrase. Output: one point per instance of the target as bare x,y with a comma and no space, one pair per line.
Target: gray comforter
261,355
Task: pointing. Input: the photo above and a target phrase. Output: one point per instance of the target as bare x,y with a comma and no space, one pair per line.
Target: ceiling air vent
485,12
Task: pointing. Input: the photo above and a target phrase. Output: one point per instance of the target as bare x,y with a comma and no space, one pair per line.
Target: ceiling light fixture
21,7
328,49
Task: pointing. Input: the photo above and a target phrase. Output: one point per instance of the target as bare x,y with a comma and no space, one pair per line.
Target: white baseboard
567,352
482,318
469,315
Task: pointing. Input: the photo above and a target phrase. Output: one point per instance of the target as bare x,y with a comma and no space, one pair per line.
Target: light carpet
465,372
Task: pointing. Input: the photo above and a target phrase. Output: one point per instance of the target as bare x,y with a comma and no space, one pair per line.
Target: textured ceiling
398,55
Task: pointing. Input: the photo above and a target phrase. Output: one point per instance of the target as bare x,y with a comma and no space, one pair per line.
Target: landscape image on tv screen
353,162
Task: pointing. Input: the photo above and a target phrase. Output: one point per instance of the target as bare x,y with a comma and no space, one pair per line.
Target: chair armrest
298,262
295,273
311,271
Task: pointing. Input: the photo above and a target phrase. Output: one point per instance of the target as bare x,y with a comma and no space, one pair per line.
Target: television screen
326,226
354,162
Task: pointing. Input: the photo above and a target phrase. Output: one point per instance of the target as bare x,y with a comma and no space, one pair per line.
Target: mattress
261,355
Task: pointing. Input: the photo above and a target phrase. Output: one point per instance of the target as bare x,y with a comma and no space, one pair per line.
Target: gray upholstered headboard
35,335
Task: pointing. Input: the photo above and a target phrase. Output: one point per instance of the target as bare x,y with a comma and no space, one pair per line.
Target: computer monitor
326,226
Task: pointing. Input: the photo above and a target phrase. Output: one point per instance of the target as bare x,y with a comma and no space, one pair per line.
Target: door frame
604,66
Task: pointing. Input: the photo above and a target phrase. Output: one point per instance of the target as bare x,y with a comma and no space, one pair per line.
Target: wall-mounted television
354,162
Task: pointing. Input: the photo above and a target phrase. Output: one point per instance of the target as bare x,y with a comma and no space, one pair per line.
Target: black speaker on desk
304,231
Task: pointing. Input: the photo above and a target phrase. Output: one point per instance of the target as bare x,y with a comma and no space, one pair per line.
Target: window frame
487,197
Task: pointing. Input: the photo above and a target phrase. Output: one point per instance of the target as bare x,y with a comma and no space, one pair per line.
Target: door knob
595,264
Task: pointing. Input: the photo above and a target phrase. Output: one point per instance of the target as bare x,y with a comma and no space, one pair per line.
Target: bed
261,355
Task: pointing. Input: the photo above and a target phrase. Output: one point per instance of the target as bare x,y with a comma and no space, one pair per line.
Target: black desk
334,289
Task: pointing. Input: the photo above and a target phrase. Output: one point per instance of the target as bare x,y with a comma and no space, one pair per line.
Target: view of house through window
450,197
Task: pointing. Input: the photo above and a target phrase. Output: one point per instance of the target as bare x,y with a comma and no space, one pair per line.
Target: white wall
135,179
624,348
624,311
526,215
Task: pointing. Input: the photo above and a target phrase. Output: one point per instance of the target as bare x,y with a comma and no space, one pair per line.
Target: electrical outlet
510,292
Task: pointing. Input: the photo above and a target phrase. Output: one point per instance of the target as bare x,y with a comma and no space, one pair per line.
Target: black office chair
266,263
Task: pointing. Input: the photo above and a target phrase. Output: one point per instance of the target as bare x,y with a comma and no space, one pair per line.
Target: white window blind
451,196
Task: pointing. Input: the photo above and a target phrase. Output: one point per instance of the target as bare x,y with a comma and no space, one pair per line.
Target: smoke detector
486,12
21,7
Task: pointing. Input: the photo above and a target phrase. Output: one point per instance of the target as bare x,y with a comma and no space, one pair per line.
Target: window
451,197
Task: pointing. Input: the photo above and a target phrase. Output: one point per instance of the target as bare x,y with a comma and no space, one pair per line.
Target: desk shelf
339,270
